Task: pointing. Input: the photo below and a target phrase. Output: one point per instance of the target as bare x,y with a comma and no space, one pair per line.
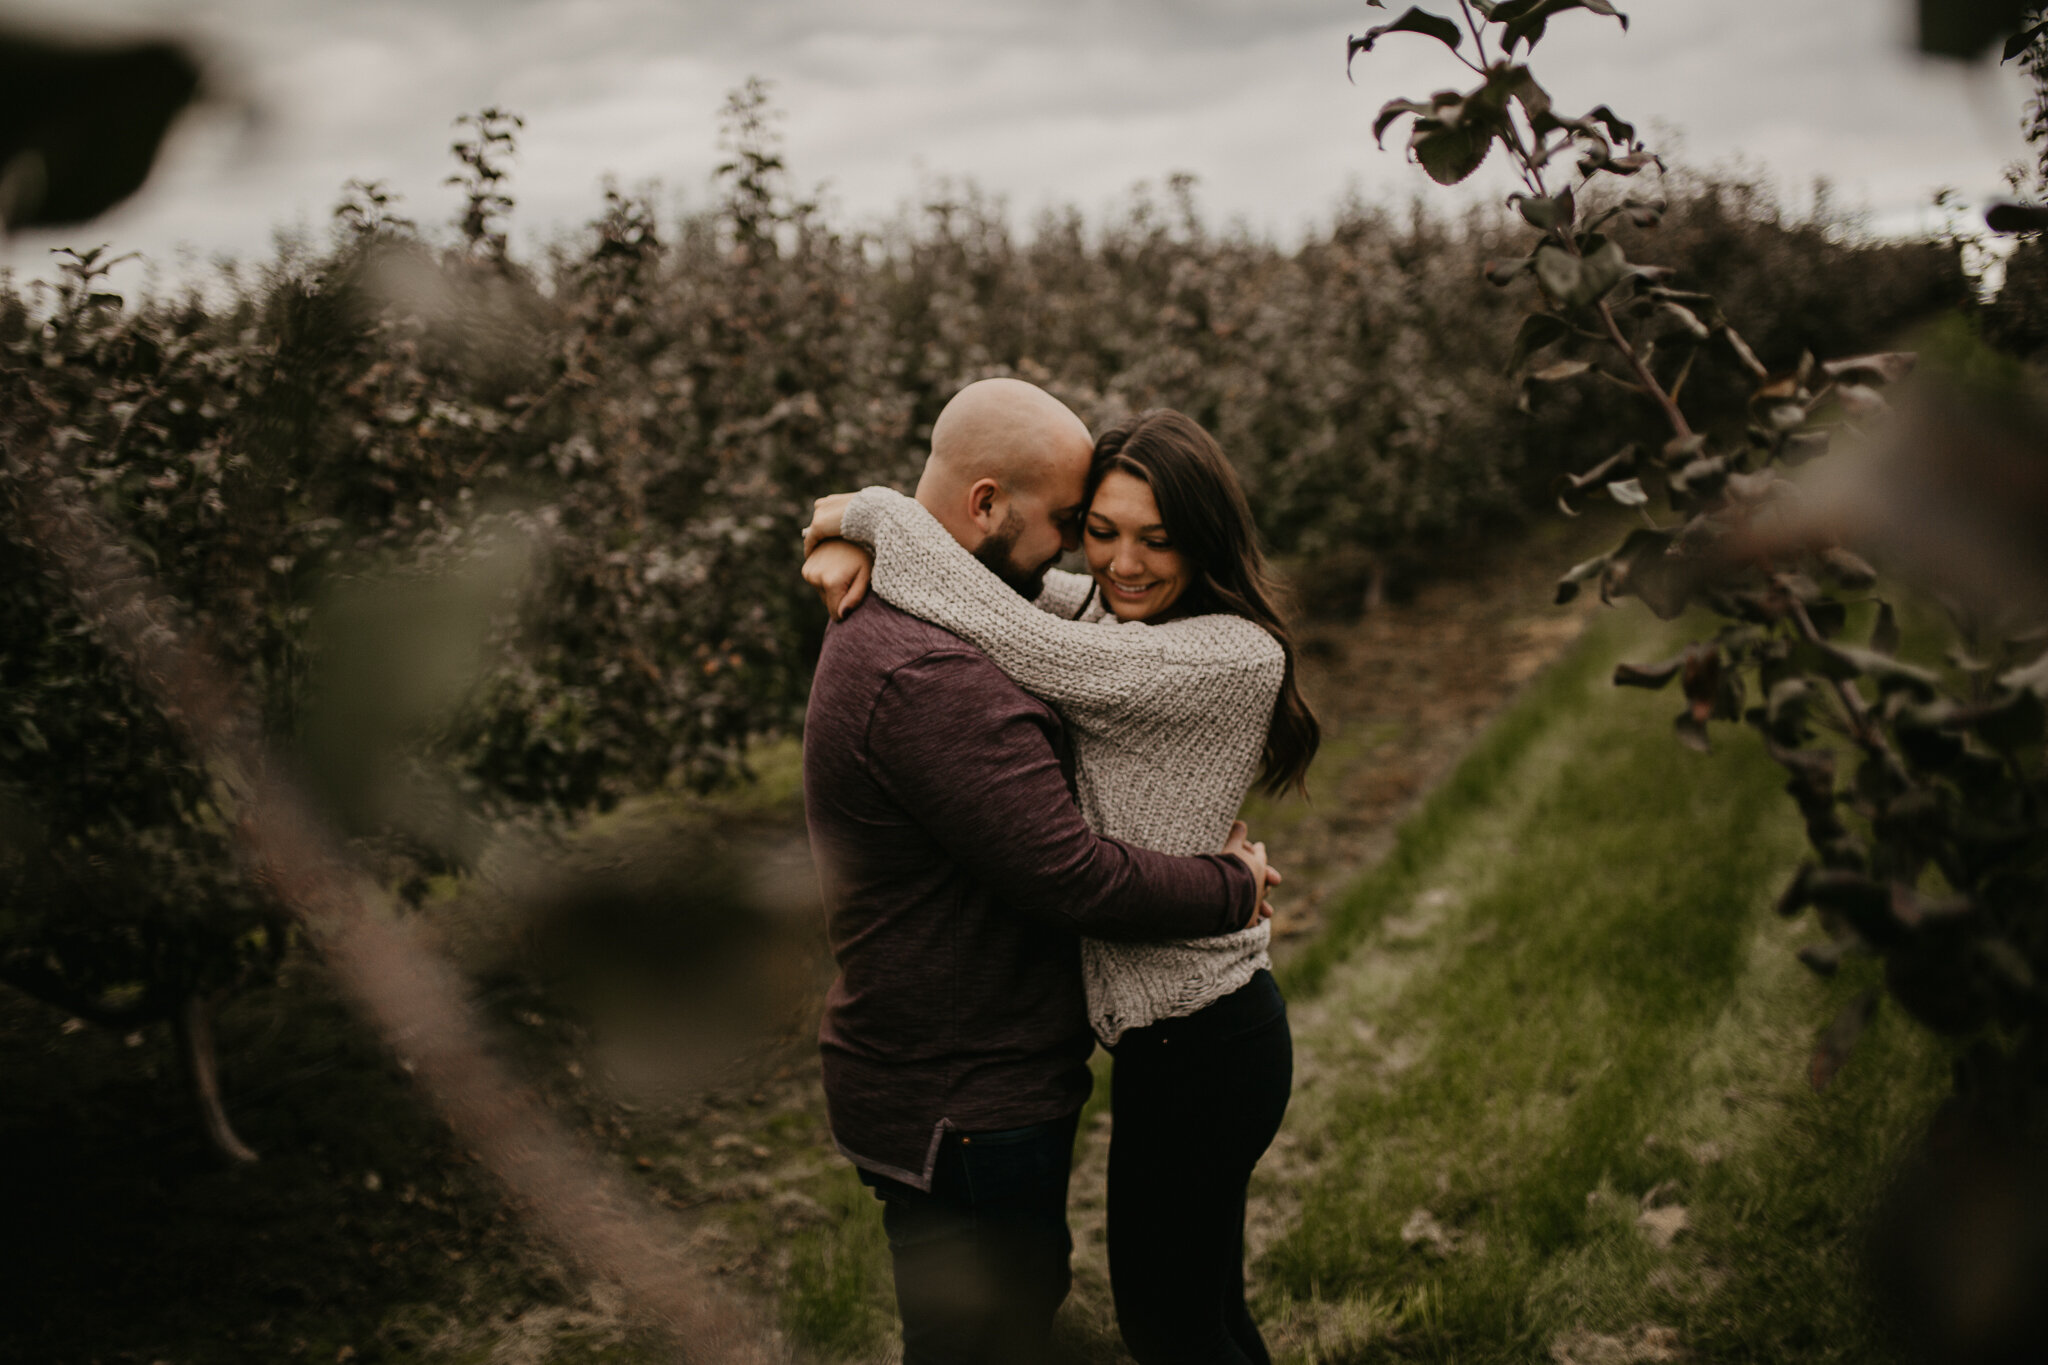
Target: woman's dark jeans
1197,1101
981,1259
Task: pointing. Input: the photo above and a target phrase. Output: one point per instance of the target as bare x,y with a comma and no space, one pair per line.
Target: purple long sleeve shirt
958,875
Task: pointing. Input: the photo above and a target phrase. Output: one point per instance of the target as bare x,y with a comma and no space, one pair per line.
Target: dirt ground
365,1235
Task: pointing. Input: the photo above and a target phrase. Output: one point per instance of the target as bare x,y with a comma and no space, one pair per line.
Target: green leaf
1560,273
1701,478
1664,583
1520,83
1786,701
1537,331
1627,492
1684,318
1844,662
2021,41
1568,586
1850,570
1653,677
1392,110
1557,211
1618,128
1416,20
1526,19
1578,281
1885,367
1504,273
1643,568
1628,164
1451,153
1884,632
1743,353
1561,371
1577,483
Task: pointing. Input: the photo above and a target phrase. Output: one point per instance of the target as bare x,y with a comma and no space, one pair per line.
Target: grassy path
1550,1098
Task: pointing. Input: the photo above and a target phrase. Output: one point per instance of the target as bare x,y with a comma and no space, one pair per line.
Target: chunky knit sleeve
1064,594
1099,675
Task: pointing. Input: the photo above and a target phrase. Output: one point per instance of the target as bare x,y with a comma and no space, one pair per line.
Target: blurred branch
193,1025
413,997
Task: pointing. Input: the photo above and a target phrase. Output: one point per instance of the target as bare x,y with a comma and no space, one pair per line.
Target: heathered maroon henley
957,875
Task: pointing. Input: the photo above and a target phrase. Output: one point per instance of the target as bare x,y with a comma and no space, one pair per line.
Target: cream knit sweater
1168,723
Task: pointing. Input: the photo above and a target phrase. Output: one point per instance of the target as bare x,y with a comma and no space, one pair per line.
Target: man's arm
972,760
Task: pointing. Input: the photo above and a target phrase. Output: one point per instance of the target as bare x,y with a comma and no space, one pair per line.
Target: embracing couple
1022,788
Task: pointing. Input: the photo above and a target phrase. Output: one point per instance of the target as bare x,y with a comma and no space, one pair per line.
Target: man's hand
826,514
1254,857
839,570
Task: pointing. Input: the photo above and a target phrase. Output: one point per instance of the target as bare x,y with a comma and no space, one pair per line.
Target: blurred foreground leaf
80,124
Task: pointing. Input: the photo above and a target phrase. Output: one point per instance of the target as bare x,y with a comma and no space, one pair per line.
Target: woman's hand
1253,856
839,570
826,514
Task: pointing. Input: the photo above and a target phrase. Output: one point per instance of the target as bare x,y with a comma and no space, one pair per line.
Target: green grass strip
1560,1005
1473,783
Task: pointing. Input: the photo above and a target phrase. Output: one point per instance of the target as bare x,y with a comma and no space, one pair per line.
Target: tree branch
1862,729
193,1025
1680,428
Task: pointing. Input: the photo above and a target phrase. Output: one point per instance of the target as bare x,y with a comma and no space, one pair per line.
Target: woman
1175,674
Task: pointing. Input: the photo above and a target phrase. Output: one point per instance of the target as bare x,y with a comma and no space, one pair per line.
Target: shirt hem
897,1173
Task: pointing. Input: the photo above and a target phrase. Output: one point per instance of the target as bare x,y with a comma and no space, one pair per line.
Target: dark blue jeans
1196,1101
981,1259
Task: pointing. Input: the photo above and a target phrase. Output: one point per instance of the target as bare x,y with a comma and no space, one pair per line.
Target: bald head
1007,430
1007,474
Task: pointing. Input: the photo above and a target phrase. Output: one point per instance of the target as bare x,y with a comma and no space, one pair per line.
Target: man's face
1039,526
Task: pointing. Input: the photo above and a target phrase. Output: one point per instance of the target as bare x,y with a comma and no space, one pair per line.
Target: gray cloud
1049,103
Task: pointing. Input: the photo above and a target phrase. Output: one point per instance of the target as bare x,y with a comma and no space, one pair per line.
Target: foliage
1921,785
121,899
492,138
323,460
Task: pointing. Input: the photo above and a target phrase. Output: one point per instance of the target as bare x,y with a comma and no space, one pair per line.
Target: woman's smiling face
1140,573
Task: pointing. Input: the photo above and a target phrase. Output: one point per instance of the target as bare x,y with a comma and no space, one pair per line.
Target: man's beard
995,555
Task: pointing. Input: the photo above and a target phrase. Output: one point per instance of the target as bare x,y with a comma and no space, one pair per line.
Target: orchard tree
1920,780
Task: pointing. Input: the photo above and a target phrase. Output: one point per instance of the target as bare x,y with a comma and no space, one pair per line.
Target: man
957,874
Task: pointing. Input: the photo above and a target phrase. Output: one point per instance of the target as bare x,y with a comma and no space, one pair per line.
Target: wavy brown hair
1205,514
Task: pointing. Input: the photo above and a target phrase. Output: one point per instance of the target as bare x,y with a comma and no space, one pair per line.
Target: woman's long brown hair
1208,520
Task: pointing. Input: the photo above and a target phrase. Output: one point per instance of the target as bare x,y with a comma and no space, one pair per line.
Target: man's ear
984,505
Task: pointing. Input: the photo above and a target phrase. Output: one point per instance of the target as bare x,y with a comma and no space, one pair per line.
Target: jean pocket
1014,1167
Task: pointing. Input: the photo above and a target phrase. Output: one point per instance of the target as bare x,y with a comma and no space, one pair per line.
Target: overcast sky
1042,102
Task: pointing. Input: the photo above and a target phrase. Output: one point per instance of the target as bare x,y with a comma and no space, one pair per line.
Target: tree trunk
193,1024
